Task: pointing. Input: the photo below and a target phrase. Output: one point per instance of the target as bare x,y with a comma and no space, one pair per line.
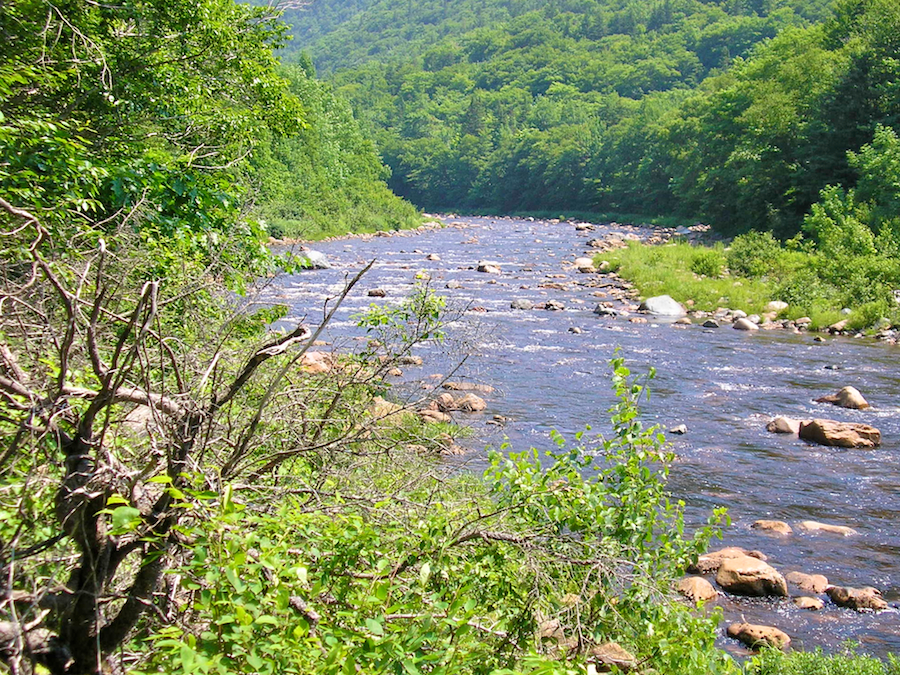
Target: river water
722,384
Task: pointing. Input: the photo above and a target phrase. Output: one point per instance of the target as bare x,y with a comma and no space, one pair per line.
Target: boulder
783,425
377,293
813,526
840,434
576,330
697,589
444,402
468,386
772,527
428,415
585,265
471,403
681,429
811,583
756,636
848,397
317,362
602,310
521,303
776,306
808,603
710,323
554,305
744,324
434,257
410,360
488,267
381,408
314,260
709,563
611,655
861,599
750,576
684,321
663,305
453,284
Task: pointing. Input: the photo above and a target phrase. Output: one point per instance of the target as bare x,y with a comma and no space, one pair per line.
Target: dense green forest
737,112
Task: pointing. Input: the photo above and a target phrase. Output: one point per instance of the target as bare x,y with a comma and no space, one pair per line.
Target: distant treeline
736,111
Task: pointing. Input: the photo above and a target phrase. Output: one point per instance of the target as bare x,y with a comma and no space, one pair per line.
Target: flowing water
722,384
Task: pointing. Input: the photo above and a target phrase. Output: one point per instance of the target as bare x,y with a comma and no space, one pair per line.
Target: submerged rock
487,267
772,526
840,434
315,260
784,425
808,603
813,526
521,303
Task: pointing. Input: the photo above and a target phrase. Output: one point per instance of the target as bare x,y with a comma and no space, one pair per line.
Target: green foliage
754,254
772,662
708,262
449,574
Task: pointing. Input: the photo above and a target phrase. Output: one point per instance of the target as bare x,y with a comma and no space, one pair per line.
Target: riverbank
756,276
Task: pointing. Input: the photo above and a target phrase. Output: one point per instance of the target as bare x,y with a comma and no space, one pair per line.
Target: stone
813,526
709,563
811,583
488,267
739,314
602,310
377,293
576,330
840,434
710,323
585,265
554,305
453,284
521,303
315,260
663,305
395,372
434,257
381,408
750,576
838,327
783,425
697,589
848,397
410,360
866,599
611,654
756,636
444,402
434,416
808,603
468,386
803,321
744,324
772,527
317,362
471,403
776,306
684,321
681,429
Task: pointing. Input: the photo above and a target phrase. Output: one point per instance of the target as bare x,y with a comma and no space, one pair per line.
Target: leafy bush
772,662
754,254
708,262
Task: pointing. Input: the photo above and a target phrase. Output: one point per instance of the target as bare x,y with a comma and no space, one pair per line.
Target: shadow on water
722,384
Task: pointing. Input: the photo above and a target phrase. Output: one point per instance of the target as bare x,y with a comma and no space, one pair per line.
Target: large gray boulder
663,305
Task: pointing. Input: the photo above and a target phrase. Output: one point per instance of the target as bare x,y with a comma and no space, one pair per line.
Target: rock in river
744,324
813,526
489,267
840,434
521,303
810,583
709,563
697,589
755,636
848,397
783,425
772,527
750,576
315,260
663,305
861,599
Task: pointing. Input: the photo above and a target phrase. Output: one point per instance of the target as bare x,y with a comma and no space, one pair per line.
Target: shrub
708,262
753,254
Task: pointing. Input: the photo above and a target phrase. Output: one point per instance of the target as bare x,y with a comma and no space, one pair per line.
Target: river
722,384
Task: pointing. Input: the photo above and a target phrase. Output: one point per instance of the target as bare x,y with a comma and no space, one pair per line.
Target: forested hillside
739,112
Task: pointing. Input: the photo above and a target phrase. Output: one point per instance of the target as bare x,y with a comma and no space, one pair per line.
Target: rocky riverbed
547,324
